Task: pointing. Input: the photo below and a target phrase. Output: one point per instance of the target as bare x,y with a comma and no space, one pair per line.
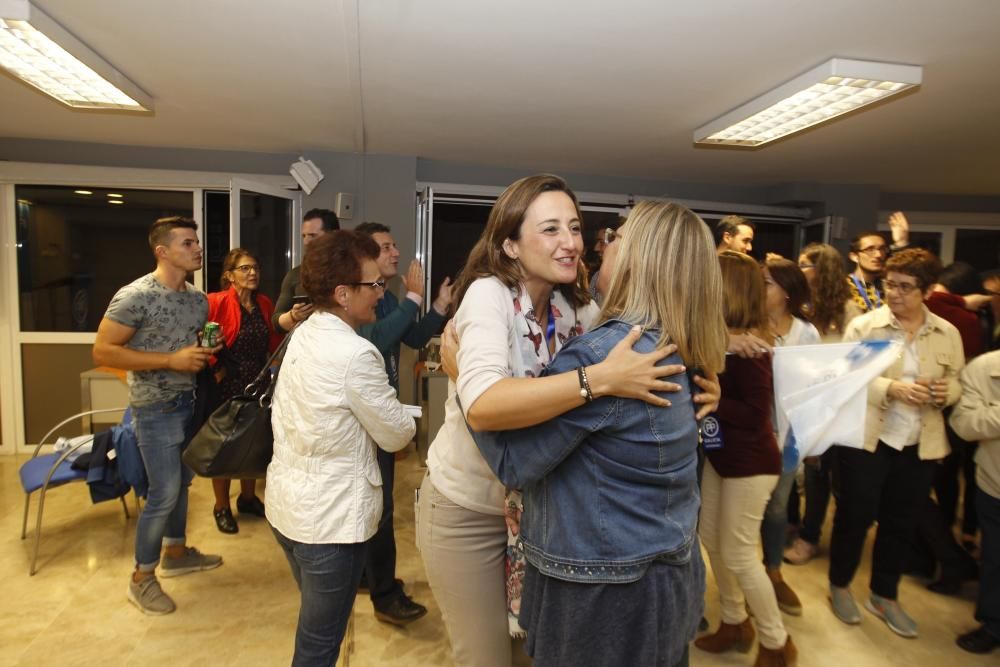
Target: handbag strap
265,375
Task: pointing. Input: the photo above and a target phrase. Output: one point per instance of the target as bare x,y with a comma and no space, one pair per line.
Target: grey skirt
646,622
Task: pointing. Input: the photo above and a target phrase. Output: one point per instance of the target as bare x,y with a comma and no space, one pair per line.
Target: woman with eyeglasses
521,296
333,405
889,479
245,316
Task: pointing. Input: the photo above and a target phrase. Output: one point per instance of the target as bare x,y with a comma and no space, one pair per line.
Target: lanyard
863,291
550,329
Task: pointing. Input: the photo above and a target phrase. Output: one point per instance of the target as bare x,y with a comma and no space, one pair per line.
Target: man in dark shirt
396,322
287,314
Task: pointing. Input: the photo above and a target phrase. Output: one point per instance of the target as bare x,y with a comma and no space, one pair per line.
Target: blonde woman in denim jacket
611,488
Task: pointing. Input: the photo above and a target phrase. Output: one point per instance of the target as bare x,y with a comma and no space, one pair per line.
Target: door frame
12,427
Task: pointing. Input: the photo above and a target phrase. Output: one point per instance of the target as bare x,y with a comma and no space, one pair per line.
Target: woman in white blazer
332,406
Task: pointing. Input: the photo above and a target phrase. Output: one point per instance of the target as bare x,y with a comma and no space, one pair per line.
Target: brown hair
830,290
743,295
487,257
918,263
230,263
334,259
789,277
159,231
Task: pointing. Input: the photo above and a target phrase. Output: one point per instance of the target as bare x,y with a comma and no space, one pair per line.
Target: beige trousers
731,512
463,553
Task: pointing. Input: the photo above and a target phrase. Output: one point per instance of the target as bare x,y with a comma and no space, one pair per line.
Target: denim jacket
609,486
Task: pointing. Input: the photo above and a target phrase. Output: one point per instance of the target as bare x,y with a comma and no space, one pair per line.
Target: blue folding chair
42,472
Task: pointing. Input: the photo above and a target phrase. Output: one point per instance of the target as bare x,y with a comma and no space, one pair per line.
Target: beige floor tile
74,612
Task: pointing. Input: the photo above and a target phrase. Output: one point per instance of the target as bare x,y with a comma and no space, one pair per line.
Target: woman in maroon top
742,469
247,329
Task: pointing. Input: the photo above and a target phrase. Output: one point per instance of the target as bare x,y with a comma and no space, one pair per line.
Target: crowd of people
605,421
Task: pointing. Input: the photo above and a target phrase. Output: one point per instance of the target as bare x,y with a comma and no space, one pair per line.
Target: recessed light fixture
836,87
82,192
39,51
114,195
116,201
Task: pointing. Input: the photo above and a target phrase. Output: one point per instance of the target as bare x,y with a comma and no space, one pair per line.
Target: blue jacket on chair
609,486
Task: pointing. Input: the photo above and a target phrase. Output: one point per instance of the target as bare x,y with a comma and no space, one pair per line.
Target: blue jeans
774,527
328,576
163,430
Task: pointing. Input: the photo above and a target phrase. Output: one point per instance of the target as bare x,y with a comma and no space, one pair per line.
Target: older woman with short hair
332,406
888,480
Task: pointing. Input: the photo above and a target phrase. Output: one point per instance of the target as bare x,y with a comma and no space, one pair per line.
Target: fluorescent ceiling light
115,201
82,192
114,195
36,49
836,87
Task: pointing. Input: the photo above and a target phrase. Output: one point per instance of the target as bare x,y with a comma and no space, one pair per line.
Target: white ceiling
566,85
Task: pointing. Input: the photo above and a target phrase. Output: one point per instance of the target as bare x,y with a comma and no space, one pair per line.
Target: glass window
978,247
76,247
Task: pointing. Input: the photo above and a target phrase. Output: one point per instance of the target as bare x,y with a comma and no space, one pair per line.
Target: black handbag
236,440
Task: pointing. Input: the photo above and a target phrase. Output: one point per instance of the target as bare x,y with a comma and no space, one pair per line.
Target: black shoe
225,522
703,625
977,641
252,506
399,610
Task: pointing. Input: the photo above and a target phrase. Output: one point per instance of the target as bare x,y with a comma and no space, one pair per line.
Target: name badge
711,434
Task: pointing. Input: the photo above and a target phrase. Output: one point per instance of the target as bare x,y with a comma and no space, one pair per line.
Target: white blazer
333,404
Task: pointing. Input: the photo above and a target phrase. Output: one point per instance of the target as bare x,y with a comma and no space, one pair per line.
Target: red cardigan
748,444
952,308
224,308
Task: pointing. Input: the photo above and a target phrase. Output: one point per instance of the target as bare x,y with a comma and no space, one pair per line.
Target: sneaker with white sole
801,552
893,615
844,606
192,561
149,597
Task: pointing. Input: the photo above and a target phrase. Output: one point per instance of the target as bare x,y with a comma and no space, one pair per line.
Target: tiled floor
74,612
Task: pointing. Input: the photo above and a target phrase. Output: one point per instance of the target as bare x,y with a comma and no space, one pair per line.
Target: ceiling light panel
37,50
834,88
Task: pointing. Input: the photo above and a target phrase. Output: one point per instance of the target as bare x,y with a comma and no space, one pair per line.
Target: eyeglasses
875,250
804,266
247,268
902,288
378,284
610,235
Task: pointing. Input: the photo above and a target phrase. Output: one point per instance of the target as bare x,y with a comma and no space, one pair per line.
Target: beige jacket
977,417
940,355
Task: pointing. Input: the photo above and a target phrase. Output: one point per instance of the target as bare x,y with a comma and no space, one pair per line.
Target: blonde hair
666,275
744,302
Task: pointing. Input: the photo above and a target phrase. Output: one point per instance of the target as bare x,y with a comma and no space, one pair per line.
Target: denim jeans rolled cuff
774,528
163,431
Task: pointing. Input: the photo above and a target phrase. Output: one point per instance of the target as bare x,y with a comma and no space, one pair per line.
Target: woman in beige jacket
904,436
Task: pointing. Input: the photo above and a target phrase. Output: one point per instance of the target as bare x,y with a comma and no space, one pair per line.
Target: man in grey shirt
151,330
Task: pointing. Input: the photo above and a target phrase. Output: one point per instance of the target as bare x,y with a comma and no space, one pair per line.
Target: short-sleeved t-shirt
164,321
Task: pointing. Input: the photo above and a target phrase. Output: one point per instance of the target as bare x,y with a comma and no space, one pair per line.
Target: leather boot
777,657
728,637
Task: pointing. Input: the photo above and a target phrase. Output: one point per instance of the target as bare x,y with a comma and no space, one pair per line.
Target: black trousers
960,463
885,485
817,492
380,567
988,605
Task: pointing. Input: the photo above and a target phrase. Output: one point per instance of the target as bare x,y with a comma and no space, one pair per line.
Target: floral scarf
563,324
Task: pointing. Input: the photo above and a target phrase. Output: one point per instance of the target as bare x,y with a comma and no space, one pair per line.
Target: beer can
210,334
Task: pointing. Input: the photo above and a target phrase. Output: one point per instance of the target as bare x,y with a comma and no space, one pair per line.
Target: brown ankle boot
788,601
728,637
777,657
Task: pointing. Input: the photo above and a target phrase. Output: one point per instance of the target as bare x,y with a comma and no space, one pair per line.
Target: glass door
262,219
